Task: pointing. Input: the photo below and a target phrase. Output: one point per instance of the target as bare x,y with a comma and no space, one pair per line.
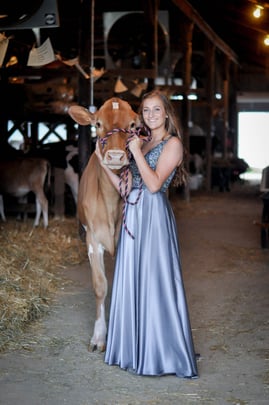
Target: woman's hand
135,144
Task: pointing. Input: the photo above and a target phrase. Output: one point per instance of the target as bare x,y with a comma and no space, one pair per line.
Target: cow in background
99,204
19,177
63,158
71,172
224,172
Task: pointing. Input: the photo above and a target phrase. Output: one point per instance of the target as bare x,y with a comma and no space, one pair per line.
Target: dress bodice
152,158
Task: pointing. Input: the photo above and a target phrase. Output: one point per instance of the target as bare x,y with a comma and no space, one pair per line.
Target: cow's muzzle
115,159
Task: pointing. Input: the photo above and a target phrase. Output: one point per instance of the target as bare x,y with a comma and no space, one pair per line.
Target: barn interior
208,57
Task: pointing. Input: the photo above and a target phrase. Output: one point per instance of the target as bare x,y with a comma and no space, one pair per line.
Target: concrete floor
226,277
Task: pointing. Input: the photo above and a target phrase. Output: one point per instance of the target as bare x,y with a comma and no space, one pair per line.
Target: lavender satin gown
149,330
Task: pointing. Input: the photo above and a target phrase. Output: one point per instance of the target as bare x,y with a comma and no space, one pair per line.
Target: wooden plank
194,16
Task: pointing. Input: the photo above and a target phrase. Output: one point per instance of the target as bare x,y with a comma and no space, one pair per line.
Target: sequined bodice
152,158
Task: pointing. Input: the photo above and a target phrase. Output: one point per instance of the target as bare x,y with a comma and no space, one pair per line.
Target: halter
125,170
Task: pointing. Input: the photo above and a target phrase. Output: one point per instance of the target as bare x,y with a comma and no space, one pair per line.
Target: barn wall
191,52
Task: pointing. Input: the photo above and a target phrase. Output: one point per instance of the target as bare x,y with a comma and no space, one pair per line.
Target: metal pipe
92,58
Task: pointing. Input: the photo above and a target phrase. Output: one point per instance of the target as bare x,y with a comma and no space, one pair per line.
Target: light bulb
258,11
266,40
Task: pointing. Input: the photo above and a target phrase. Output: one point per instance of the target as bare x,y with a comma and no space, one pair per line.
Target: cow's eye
98,124
132,126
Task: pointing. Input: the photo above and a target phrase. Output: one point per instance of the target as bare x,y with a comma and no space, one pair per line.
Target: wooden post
226,86
151,28
84,140
210,95
186,104
233,113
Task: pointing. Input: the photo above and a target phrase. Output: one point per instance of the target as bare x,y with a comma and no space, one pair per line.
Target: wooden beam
194,16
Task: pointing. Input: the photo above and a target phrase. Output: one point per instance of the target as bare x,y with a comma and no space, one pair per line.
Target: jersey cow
99,204
63,159
20,176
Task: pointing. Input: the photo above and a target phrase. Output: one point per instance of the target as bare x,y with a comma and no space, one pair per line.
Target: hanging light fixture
266,40
258,10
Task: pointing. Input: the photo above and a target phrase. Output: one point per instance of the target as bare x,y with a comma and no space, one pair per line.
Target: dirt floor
226,277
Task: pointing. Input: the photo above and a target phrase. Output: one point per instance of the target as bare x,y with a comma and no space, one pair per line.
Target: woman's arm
113,177
170,158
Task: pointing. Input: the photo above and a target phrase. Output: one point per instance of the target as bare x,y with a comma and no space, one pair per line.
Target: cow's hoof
93,347
102,349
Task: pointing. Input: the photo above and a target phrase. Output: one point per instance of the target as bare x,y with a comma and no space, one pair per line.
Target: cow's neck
112,200
111,192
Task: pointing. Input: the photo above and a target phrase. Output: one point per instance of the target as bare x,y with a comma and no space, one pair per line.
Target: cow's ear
80,114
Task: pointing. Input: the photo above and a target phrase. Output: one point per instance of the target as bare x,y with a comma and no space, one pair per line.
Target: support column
210,95
186,104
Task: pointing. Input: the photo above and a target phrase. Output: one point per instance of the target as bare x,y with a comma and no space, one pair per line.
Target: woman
149,330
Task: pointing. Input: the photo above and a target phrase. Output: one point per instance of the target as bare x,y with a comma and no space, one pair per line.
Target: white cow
70,175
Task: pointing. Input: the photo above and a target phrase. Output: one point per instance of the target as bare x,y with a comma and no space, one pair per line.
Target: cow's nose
116,155
115,158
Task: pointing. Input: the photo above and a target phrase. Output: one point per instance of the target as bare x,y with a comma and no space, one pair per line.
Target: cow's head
114,122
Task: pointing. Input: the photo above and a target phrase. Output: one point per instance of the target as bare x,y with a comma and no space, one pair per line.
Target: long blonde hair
173,127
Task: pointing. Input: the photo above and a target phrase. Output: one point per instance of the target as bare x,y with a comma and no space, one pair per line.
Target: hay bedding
32,261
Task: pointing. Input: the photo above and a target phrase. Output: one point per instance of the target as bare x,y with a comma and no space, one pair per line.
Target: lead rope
125,171
124,177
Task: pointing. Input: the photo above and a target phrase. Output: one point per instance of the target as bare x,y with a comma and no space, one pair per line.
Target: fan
28,14
126,40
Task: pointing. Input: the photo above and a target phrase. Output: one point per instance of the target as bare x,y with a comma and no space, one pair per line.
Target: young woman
149,329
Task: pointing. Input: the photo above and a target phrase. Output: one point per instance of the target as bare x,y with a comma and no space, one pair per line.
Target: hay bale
32,261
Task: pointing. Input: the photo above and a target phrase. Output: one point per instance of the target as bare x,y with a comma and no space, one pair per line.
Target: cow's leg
59,188
72,180
2,213
38,212
41,205
96,258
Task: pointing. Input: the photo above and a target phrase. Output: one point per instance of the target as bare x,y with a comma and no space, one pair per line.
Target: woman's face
153,112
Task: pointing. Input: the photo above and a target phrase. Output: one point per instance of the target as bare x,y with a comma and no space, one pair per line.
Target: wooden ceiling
230,19
233,21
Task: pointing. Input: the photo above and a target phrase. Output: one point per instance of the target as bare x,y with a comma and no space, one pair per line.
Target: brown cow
99,204
20,176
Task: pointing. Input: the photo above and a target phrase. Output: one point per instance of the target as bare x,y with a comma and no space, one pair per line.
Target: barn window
49,134
21,133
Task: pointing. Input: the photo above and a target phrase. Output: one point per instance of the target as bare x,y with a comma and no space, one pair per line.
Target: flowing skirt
149,330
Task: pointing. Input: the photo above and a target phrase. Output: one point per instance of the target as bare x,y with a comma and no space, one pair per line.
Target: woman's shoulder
174,141
173,149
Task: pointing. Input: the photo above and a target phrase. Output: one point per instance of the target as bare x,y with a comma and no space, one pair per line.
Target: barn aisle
226,277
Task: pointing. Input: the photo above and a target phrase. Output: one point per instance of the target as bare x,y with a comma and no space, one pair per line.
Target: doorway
253,141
